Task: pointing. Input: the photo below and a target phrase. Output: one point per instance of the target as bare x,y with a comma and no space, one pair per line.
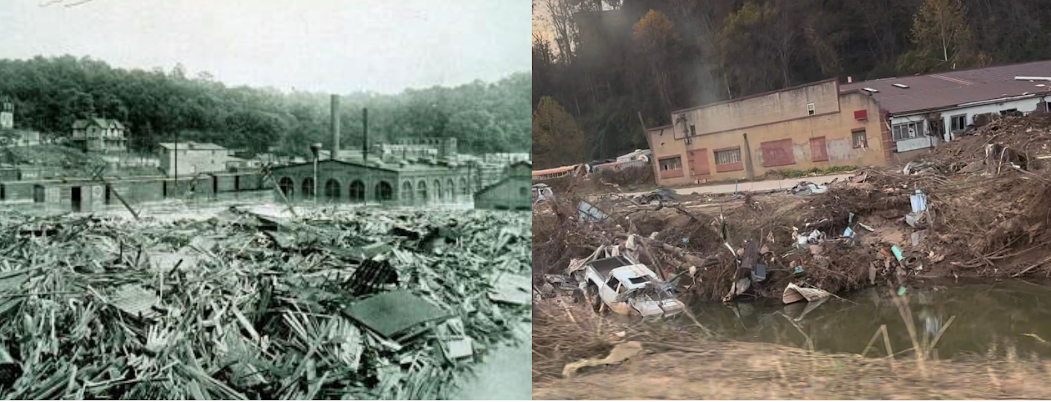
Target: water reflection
999,316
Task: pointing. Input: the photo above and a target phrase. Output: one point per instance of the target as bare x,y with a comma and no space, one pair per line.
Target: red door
818,151
698,159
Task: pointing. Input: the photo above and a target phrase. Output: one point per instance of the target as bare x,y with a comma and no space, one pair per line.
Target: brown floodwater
997,317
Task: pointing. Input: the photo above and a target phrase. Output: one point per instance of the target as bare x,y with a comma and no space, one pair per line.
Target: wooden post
98,176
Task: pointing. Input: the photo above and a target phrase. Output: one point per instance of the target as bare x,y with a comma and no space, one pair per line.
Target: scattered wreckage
619,283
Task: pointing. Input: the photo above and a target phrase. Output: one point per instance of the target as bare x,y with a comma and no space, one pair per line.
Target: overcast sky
317,45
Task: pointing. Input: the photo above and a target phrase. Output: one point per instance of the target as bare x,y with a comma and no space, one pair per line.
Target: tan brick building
802,127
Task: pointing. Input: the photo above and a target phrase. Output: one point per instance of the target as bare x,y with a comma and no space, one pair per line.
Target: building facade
7,114
809,126
511,193
99,135
400,183
928,109
190,158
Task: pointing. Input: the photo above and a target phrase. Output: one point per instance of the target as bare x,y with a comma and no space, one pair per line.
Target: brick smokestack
335,127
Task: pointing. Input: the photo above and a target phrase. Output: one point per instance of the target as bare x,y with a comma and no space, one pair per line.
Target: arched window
332,190
357,191
308,188
450,189
463,187
421,191
287,186
406,191
384,192
437,190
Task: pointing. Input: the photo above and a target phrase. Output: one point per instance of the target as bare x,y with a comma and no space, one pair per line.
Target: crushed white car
627,287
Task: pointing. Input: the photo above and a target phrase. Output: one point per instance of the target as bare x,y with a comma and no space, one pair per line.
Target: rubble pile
972,207
362,305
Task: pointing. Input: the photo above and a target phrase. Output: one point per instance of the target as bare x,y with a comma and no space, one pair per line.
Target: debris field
976,206
362,304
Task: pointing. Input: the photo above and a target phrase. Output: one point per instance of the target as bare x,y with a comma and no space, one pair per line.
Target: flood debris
244,305
620,353
794,293
620,284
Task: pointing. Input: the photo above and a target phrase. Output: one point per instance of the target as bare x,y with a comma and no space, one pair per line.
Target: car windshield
639,280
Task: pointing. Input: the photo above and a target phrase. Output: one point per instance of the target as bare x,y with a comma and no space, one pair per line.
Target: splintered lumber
114,308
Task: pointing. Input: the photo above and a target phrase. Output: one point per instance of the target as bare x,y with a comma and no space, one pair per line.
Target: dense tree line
51,93
605,61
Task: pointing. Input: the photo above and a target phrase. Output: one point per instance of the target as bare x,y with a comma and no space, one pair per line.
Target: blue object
901,291
897,252
797,271
919,201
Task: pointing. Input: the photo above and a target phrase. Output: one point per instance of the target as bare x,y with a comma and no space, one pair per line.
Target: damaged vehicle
627,287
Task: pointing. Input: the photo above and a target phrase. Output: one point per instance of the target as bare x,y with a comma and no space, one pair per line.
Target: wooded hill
51,92
600,68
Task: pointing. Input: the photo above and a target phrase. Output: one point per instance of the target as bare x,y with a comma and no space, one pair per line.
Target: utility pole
176,144
315,148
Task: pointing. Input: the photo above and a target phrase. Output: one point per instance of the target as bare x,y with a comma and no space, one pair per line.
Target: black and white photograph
265,199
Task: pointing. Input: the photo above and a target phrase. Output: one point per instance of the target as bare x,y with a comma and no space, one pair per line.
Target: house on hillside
824,123
188,158
99,135
511,193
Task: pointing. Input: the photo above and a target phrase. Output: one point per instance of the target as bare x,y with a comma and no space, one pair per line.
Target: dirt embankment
689,365
986,214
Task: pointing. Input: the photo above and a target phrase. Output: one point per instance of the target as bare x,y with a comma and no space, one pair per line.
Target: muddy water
1011,316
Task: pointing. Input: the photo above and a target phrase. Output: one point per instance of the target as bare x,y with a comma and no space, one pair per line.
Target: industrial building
927,109
188,158
511,193
824,124
409,172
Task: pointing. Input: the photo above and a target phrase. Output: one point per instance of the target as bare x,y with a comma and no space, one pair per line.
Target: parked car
627,287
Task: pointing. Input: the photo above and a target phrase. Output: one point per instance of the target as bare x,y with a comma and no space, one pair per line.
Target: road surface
754,186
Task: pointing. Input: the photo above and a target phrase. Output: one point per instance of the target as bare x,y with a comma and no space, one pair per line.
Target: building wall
797,141
761,109
192,161
510,194
1022,105
341,174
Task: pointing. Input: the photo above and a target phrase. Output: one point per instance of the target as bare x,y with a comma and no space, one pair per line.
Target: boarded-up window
859,139
698,159
818,152
778,153
728,159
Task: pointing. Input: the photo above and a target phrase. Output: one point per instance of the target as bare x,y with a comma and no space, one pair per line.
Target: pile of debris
362,305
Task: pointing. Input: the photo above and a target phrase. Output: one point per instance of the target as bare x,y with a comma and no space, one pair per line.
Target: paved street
765,185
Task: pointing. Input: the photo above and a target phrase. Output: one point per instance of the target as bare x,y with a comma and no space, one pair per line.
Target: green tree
557,140
941,39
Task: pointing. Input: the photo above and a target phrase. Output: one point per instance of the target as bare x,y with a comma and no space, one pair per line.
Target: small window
859,139
612,282
523,191
728,156
671,163
810,109
958,122
693,130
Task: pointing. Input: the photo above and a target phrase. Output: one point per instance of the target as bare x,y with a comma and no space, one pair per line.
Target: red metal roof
944,90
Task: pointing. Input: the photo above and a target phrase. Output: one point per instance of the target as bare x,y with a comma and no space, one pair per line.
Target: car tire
594,298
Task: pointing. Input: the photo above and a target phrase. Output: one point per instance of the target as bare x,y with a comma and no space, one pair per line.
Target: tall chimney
335,127
365,136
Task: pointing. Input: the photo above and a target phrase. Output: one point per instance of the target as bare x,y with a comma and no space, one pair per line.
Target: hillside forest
50,93
598,63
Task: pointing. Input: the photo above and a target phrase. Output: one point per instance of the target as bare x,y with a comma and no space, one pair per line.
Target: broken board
393,313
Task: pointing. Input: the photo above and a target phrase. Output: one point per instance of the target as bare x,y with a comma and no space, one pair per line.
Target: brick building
193,158
513,192
803,127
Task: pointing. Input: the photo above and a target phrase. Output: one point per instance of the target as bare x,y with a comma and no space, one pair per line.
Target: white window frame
810,109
